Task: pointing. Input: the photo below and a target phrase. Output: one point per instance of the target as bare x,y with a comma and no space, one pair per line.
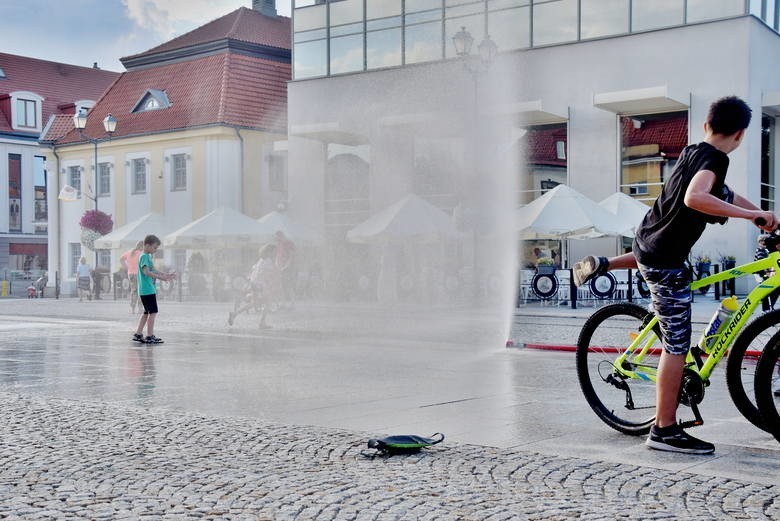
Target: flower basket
88,238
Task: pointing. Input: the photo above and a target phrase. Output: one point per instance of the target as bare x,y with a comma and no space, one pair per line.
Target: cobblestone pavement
69,460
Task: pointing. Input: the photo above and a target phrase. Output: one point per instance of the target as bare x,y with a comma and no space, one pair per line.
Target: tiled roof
226,88
57,127
670,133
243,24
57,83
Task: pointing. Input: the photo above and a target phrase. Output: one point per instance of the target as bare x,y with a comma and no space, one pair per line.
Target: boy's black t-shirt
670,229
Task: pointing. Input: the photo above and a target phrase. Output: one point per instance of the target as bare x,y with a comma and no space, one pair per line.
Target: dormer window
153,99
26,111
83,105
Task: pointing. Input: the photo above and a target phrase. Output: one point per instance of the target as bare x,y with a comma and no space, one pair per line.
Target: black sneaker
674,439
138,338
589,268
154,340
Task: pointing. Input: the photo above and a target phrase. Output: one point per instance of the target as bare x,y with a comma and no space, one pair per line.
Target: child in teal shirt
147,291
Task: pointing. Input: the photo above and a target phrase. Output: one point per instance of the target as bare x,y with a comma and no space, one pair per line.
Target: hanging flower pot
88,238
94,224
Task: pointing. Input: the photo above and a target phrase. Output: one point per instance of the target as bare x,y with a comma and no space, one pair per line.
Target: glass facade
343,36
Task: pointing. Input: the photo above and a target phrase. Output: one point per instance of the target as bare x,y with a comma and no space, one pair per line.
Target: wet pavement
241,423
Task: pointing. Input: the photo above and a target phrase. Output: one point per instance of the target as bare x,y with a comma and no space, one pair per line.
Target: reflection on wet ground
376,378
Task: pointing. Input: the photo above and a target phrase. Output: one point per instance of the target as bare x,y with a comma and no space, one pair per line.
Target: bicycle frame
642,344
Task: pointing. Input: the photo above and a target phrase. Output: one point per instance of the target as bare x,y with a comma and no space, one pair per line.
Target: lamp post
487,50
109,124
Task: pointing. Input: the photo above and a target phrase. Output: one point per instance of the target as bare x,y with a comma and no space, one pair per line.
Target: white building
622,83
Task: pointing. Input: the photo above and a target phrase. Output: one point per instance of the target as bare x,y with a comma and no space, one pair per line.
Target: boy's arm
698,197
156,274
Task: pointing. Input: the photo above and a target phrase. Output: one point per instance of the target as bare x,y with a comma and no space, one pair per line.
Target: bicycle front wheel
742,361
767,386
624,402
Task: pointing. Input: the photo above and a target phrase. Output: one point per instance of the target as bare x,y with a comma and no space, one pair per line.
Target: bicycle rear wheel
742,360
625,404
767,386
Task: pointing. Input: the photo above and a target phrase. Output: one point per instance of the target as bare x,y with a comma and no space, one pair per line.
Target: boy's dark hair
151,240
729,115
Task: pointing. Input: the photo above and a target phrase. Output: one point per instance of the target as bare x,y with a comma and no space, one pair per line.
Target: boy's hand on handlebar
765,220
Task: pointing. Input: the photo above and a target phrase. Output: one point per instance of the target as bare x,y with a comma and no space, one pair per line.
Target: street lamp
487,49
109,124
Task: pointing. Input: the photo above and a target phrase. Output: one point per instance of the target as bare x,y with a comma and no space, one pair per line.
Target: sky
82,32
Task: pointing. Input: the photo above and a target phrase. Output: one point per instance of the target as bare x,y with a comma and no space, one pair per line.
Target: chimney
266,7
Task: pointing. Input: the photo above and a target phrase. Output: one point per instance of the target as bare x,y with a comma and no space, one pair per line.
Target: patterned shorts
672,296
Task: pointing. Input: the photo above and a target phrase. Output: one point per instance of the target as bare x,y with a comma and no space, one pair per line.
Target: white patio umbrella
128,235
411,218
564,213
298,233
628,211
221,228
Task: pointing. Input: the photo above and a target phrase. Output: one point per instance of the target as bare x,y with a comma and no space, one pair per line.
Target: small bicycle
620,345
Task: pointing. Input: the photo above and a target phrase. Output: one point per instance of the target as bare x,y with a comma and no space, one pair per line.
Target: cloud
170,18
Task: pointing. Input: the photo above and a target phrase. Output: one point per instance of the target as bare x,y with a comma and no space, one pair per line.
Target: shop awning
530,113
23,248
330,132
649,100
770,103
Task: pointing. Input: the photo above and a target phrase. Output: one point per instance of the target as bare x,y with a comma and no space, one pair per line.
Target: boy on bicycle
694,195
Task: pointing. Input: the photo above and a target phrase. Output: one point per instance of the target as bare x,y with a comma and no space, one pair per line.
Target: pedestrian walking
129,261
83,272
147,291
285,263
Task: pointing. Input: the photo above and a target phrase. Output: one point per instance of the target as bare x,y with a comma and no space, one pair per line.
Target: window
179,177
277,173
39,180
560,149
650,147
346,54
603,18
153,99
545,168
14,193
652,14
383,48
138,166
555,22
423,42
699,10
74,250
311,59
104,258
510,28
26,113
104,179
438,163
768,163
74,179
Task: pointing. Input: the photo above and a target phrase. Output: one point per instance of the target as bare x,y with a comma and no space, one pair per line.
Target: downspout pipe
241,167
59,219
